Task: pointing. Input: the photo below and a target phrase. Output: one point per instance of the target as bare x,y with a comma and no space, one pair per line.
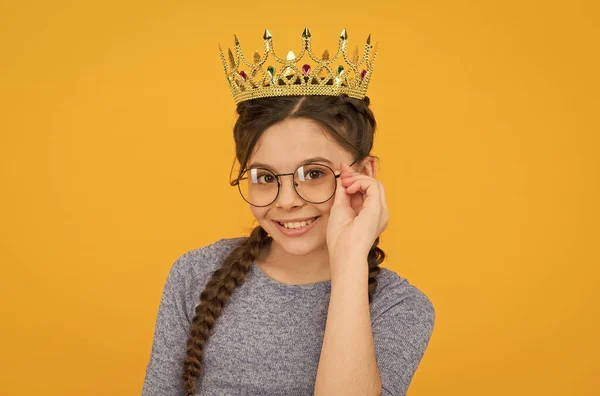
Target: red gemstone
306,69
363,74
243,74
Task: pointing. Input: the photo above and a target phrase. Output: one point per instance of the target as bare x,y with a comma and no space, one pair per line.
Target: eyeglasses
314,183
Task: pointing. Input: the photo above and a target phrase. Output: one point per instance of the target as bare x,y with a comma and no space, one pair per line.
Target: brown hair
352,124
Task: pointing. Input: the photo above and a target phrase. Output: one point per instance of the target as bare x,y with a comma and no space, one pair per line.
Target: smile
296,224
296,228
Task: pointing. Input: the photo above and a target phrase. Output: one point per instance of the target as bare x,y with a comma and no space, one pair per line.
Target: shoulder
397,294
203,261
214,252
193,269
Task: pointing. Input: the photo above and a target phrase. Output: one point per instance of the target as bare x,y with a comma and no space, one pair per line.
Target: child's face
283,147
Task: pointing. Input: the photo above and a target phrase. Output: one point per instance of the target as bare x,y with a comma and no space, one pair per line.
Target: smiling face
283,147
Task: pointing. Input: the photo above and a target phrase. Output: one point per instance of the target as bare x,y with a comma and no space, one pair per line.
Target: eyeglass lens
314,183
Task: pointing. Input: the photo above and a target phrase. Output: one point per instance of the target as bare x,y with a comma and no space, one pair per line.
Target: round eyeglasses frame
278,175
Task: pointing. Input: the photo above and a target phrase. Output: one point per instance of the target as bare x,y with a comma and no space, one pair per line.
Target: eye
313,174
265,178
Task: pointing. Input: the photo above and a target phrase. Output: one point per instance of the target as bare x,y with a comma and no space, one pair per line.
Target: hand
358,215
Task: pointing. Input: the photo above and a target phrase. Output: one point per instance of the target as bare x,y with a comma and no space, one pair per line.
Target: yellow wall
115,148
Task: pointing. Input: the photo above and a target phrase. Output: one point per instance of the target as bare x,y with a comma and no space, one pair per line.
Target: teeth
297,224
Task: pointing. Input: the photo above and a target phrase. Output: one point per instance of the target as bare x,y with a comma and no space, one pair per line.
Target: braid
214,297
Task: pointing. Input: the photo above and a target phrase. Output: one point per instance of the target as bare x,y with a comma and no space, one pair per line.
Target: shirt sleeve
165,368
401,334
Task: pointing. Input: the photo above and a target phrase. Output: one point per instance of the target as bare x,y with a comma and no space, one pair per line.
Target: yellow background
116,144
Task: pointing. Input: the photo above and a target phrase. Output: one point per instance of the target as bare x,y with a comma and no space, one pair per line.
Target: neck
292,269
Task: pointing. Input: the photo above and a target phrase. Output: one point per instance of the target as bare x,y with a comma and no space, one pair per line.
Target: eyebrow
305,162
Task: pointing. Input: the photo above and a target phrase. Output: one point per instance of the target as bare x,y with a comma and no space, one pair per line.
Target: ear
369,166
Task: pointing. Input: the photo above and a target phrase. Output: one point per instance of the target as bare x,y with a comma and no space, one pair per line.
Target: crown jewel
269,75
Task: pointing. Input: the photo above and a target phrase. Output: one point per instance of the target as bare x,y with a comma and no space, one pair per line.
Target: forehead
285,144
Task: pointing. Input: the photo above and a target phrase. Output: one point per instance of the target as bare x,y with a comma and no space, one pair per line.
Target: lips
294,232
298,219
297,223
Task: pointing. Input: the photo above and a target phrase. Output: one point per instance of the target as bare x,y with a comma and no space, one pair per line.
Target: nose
288,198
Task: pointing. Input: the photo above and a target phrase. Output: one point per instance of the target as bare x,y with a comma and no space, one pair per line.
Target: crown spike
290,55
267,35
344,35
355,55
369,39
325,55
306,32
220,49
256,56
374,52
231,58
237,42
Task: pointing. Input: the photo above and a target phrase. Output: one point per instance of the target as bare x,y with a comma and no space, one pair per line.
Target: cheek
258,213
324,208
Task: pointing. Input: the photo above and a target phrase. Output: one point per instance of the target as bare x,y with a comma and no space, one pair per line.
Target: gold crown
254,81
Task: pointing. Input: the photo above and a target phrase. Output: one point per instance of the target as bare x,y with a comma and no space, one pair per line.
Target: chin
299,248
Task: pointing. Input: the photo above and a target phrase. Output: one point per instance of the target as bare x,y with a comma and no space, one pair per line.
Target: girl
301,306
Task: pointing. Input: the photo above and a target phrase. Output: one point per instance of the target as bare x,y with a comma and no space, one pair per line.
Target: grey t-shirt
268,338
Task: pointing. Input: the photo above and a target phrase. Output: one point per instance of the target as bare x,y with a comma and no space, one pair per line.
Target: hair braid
214,297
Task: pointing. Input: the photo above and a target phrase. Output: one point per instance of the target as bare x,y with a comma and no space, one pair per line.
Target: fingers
366,185
341,197
361,183
349,180
349,176
371,189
